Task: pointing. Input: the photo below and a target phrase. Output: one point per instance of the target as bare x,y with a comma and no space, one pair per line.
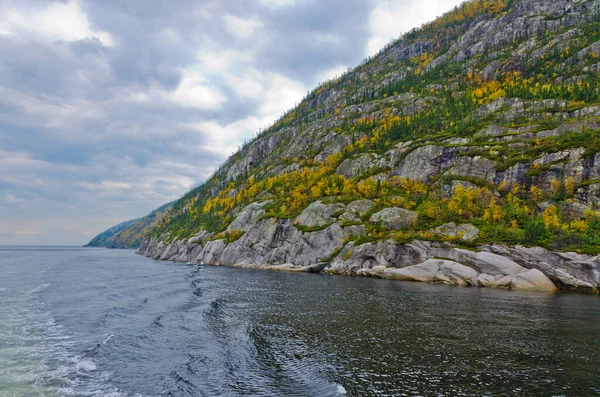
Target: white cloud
223,59
248,86
29,233
242,28
171,36
392,18
282,94
279,94
194,91
331,38
49,114
277,3
333,73
106,185
58,21
11,198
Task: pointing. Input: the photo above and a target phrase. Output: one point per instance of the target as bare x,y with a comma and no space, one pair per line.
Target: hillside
129,234
466,152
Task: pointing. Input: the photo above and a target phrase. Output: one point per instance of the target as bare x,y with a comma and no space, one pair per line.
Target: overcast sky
111,108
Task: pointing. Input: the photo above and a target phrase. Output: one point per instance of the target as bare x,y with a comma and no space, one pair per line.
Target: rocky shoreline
411,164
286,245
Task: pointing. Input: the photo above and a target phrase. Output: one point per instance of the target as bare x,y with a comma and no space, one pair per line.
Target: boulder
357,209
422,163
248,216
318,214
568,270
465,231
485,262
352,168
435,271
472,167
384,254
532,280
360,207
394,218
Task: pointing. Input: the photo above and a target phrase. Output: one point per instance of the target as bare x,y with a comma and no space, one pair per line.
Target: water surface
96,322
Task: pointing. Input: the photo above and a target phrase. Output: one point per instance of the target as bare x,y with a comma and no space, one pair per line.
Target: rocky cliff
467,152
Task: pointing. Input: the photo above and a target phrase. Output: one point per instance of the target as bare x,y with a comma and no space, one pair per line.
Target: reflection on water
89,322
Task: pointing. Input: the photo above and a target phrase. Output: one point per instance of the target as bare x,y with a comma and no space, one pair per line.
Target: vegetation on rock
488,115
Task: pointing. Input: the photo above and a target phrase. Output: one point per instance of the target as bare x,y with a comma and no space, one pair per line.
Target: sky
111,108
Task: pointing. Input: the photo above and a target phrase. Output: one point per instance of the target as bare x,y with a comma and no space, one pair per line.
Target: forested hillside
479,130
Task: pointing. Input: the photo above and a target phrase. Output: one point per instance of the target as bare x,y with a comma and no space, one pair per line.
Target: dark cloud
316,35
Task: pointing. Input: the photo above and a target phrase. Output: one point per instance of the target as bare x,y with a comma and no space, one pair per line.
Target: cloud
277,3
58,21
29,233
333,73
242,28
106,185
195,91
391,18
110,108
283,94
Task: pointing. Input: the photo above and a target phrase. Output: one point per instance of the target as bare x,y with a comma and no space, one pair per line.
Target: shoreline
451,265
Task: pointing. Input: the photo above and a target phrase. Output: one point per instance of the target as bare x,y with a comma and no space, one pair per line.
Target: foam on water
37,357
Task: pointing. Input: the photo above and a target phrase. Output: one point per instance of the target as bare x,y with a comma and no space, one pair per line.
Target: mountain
466,152
129,234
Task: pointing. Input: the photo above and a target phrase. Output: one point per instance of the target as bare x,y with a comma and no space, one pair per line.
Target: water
95,322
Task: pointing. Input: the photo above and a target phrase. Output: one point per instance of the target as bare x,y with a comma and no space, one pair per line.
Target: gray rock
387,253
360,207
532,280
248,217
395,218
465,231
355,231
435,271
318,214
422,163
352,168
569,271
336,145
473,167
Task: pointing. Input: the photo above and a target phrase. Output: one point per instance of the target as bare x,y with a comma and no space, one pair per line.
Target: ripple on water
109,323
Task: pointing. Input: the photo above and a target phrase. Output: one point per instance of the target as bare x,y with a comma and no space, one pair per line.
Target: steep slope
479,130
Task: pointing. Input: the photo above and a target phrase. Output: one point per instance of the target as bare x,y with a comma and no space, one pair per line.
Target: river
98,322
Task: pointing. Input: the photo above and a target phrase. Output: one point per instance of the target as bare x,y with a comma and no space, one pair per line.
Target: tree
535,232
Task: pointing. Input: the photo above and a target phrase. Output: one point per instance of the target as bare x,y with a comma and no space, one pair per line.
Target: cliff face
479,130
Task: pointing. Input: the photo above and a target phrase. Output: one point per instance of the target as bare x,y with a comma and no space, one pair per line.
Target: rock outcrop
395,218
280,245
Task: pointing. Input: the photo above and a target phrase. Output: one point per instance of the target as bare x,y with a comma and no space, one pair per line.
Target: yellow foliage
536,193
554,185
579,226
368,188
431,210
493,213
550,217
570,185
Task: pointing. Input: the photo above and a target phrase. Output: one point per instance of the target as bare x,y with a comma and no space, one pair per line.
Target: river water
97,322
